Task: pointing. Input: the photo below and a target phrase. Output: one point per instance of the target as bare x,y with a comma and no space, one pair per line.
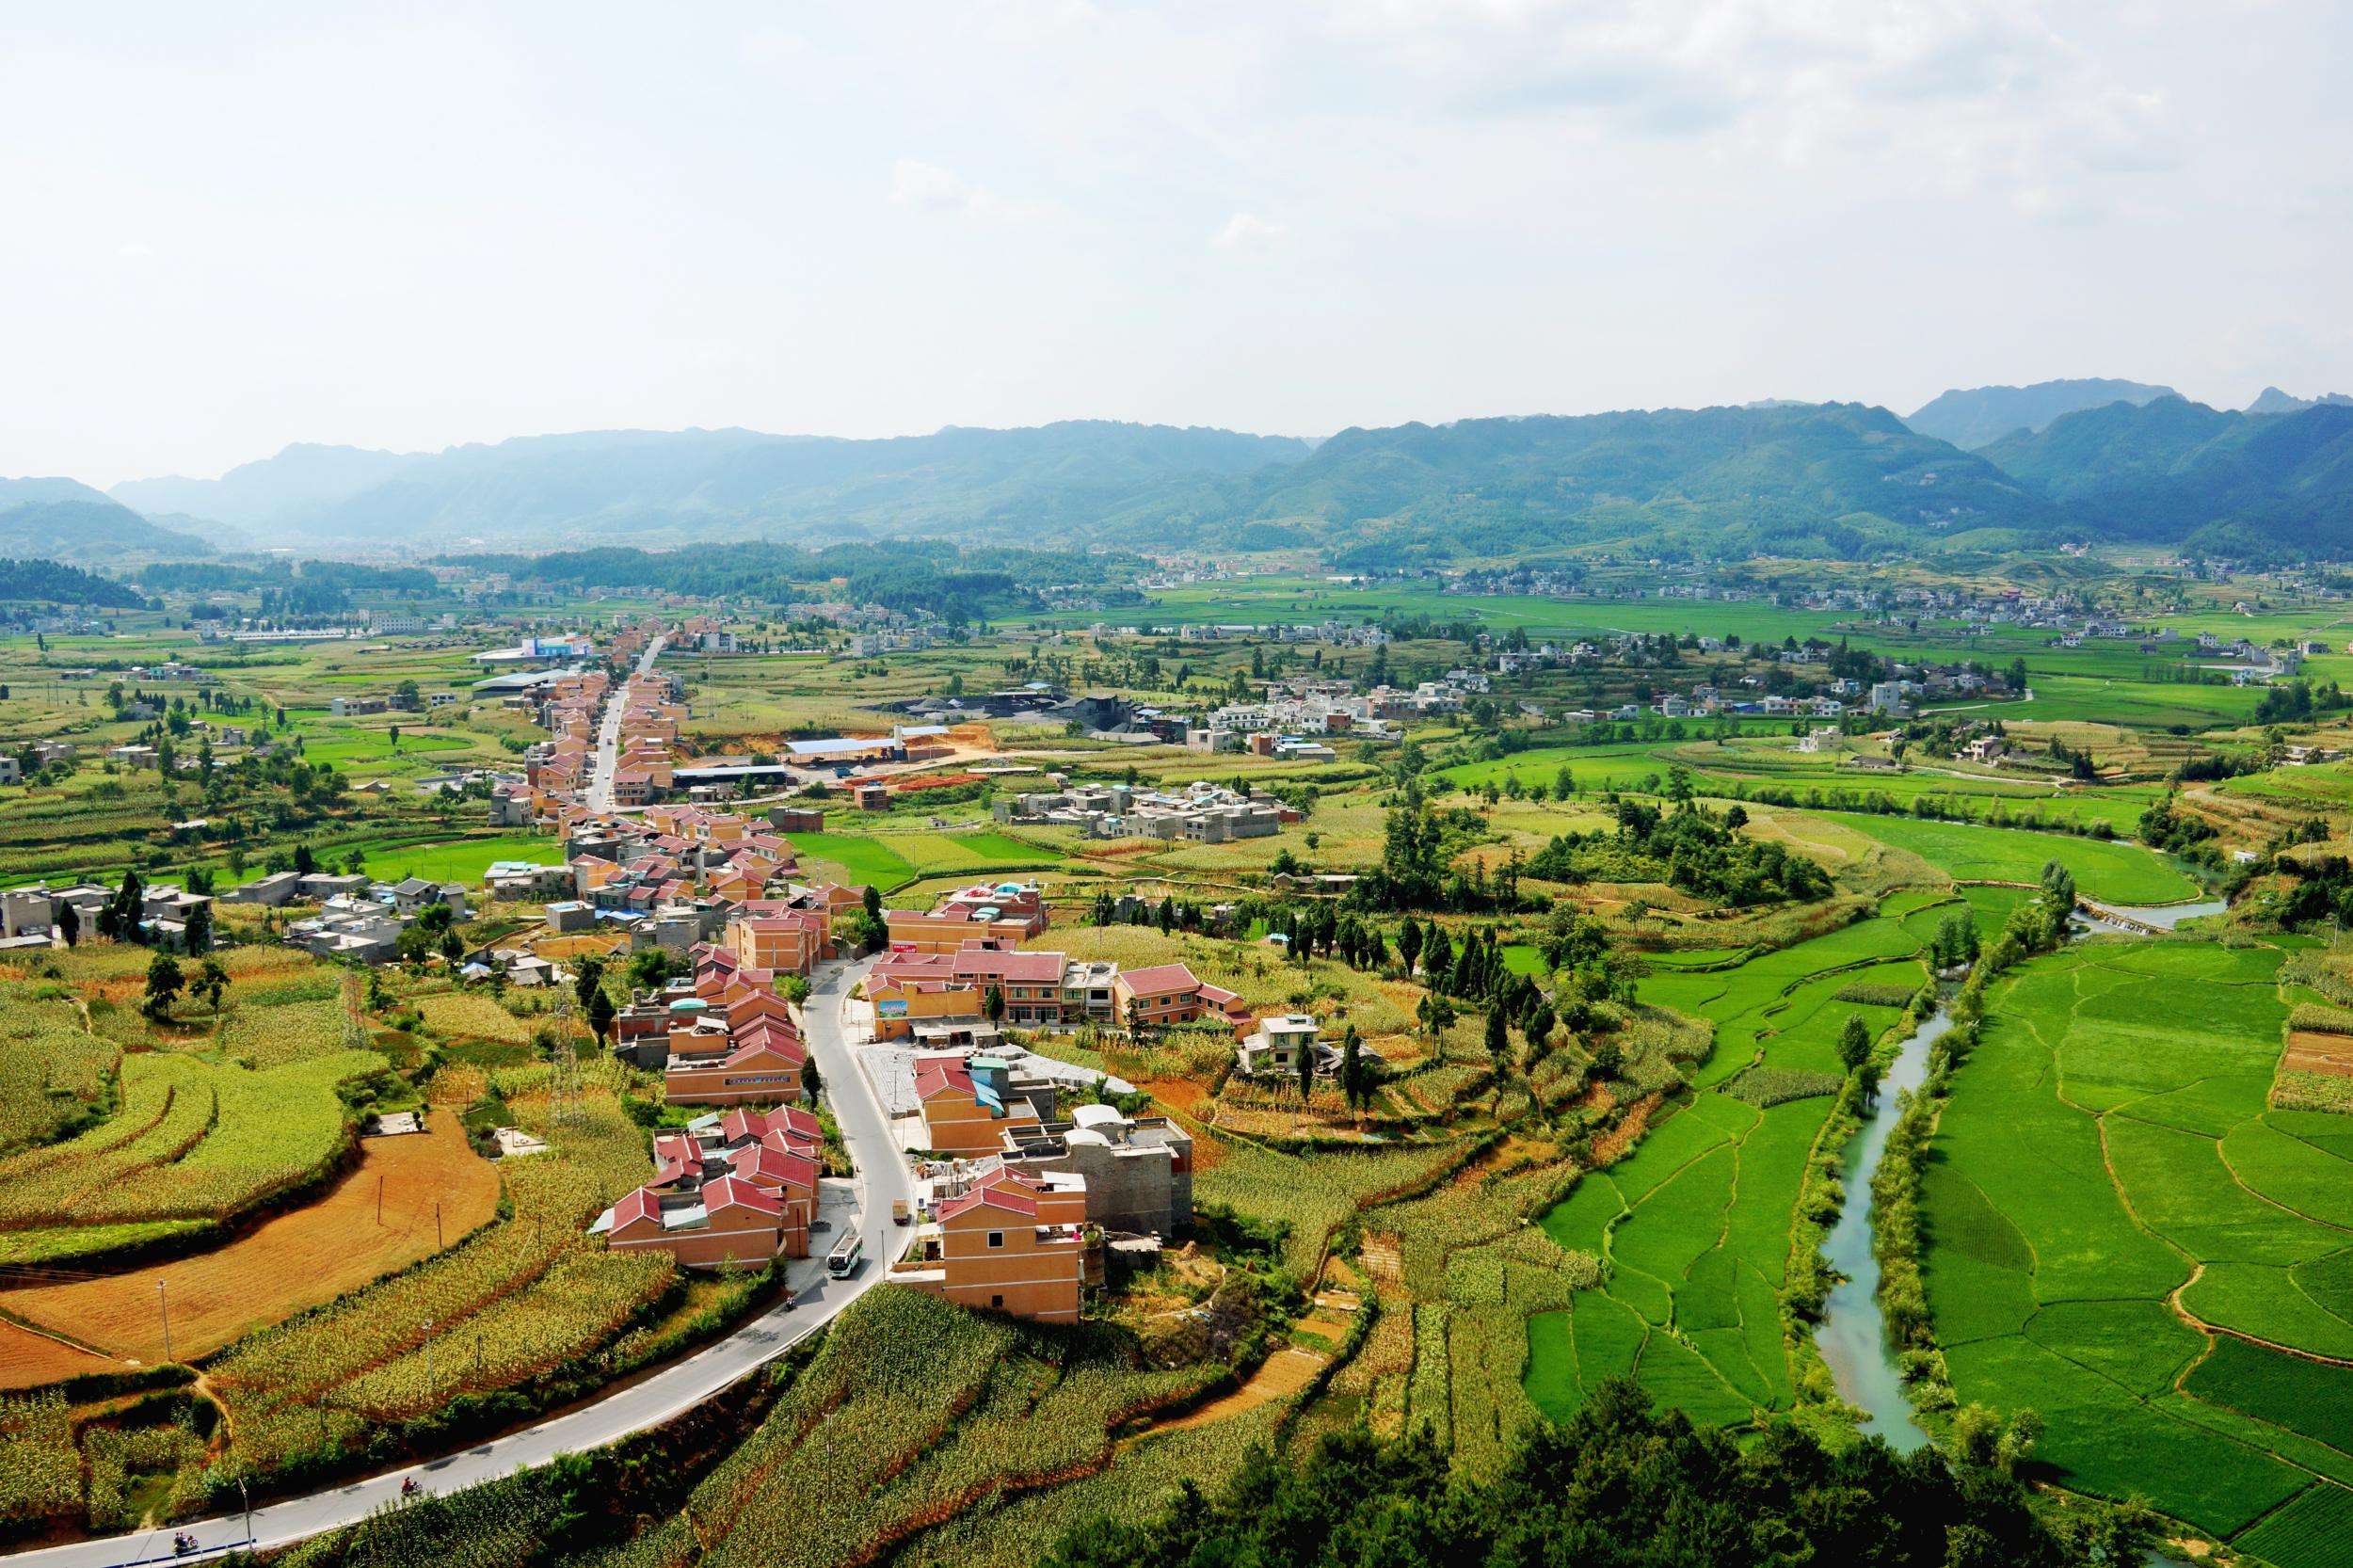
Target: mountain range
2067,461
1974,418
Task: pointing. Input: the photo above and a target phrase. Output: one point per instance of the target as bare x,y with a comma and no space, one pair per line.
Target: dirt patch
28,1360
290,1262
2311,1052
1611,1146
1278,1376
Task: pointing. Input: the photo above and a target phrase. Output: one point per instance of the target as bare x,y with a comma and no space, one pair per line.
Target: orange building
760,1062
969,1102
728,1223
731,1190
1007,1244
1166,994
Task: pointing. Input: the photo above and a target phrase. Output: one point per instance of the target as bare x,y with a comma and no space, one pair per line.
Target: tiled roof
735,1193
1160,980
1003,1198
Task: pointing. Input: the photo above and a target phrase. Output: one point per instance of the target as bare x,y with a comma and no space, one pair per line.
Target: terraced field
2124,1239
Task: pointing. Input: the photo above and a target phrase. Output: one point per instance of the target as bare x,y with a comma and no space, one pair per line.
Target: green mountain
2174,471
67,521
1841,479
673,486
1980,415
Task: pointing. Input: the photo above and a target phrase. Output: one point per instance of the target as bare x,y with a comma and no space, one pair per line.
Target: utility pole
379,1200
432,1385
164,1309
438,1242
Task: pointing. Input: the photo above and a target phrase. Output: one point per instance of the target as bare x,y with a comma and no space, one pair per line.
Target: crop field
193,1139
514,1300
2119,873
889,860
2120,1231
54,1073
405,1199
1695,1226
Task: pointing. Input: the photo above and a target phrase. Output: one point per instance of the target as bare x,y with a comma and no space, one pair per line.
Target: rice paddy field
1695,1226
2124,1238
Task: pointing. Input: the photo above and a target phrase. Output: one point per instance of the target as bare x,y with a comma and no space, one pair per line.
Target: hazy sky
232,226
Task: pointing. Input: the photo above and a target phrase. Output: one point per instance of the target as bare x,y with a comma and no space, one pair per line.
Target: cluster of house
939,998
359,919
32,917
734,1189
43,753
1208,813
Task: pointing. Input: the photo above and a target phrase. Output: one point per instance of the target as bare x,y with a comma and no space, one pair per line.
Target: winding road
881,1180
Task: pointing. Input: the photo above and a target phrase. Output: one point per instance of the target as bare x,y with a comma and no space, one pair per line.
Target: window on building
995,1238
996,1301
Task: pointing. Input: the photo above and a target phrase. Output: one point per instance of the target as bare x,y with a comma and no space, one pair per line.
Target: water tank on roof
1093,1116
1077,1137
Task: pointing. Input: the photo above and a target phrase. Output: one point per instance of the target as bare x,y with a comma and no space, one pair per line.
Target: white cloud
134,250
1248,231
928,188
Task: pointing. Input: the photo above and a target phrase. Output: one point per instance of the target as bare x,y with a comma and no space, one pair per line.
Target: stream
1853,1336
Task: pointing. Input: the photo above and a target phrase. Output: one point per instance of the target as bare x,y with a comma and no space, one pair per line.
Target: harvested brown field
27,1360
1278,1376
290,1262
2312,1053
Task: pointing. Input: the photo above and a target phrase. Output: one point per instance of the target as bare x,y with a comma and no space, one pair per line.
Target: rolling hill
1974,418
1839,479
2217,479
672,485
63,520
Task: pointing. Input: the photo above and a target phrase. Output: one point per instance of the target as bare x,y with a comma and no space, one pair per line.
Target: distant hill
671,485
1840,479
2271,400
50,583
1980,415
65,519
2177,470
302,477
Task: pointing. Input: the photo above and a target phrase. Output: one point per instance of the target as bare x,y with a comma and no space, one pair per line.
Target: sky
232,226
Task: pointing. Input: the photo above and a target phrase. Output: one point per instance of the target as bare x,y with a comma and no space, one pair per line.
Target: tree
796,988
651,968
1409,943
1854,1044
69,924
993,1004
1608,1061
198,928
1498,1038
1306,1071
811,1081
211,981
589,979
163,984
601,1011
305,863
1352,1068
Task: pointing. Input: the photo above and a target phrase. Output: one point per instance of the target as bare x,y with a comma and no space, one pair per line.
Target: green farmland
1696,1225
2124,1239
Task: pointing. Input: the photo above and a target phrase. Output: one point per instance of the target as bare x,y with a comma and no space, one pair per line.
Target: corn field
41,1474
52,1070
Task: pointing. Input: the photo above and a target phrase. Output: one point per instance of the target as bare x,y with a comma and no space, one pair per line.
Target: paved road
599,792
881,1178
